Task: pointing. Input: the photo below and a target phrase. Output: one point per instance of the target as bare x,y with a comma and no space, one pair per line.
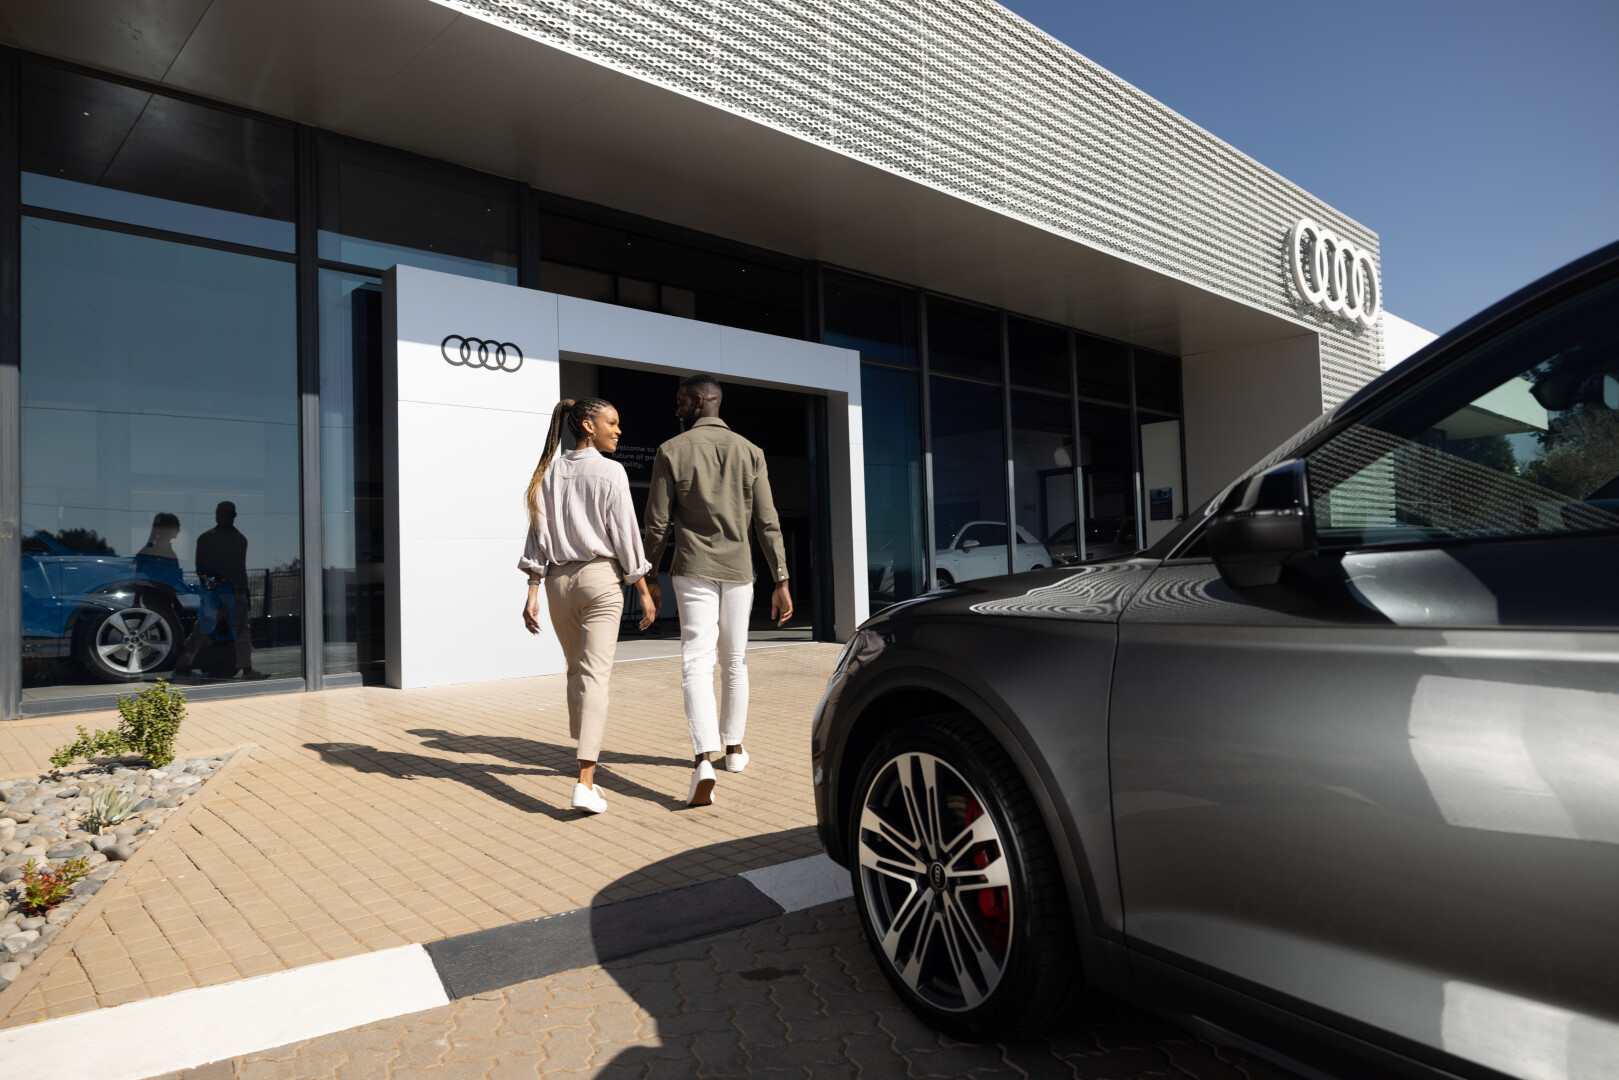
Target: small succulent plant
44,886
108,807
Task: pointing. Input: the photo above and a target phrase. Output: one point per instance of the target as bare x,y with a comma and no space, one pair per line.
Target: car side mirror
968,545
1264,524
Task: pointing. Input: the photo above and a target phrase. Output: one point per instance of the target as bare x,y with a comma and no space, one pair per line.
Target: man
708,484
222,554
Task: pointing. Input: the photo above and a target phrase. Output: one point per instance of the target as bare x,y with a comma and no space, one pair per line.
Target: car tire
128,642
1038,566
978,960
942,579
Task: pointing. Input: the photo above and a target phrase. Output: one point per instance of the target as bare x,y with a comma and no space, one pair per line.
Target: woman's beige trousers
586,601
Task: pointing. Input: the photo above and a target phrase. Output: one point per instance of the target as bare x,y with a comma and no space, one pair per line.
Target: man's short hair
702,385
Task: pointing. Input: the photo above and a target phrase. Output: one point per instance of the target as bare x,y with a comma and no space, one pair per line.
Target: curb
214,1023
13,995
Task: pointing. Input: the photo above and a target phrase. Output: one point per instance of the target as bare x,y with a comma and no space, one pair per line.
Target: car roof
1536,293
1545,290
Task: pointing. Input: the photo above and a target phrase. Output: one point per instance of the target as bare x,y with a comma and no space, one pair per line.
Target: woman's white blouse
585,513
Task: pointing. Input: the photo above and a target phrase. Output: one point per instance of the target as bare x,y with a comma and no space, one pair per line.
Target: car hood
1094,591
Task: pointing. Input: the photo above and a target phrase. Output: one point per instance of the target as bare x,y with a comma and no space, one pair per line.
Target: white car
978,550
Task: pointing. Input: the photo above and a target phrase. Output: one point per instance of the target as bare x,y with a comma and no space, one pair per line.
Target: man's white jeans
714,620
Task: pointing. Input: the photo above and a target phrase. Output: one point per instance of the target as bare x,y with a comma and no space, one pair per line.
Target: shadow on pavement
483,776
531,751
801,993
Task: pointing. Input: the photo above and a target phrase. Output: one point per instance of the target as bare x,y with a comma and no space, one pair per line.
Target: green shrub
148,724
43,887
108,807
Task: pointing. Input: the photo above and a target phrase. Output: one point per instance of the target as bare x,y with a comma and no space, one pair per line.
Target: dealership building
288,289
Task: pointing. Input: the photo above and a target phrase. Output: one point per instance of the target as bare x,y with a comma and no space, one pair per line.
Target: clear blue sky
1478,138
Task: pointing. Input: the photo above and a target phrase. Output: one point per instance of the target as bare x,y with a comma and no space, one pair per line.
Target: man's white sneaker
702,785
589,799
736,762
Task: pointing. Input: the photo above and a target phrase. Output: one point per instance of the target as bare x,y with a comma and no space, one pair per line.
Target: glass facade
351,470
632,264
379,208
199,326
160,462
106,150
1079,436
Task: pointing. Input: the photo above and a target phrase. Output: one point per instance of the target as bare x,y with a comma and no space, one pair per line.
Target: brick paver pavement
369,818
794,996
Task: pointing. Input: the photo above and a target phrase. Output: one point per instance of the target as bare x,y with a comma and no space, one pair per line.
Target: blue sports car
121,618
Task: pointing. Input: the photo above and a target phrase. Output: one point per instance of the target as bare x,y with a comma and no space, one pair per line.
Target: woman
582,542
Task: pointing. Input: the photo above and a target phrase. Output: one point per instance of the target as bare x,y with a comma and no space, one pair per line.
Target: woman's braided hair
575,412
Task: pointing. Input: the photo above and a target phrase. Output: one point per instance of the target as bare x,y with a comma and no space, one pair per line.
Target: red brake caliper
994,904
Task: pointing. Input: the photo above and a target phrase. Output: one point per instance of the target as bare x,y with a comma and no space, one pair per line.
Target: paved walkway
797,995
369,818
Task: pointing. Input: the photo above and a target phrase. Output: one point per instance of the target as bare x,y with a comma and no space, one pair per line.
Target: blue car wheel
128,642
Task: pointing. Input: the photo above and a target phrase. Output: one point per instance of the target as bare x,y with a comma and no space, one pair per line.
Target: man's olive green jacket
708,484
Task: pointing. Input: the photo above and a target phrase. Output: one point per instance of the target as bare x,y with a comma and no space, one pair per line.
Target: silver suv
1331,771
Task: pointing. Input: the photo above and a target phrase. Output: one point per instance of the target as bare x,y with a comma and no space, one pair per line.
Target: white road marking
194,1027
802,883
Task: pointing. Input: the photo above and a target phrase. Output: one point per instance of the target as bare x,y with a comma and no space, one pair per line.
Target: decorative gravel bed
40,819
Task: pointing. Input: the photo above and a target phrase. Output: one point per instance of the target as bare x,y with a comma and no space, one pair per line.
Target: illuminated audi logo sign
475,352
1334,274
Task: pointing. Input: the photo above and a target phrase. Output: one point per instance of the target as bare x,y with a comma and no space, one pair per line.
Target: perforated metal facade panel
968,98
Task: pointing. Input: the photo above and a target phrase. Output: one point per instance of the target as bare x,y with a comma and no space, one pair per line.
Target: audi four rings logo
475,352
1334,274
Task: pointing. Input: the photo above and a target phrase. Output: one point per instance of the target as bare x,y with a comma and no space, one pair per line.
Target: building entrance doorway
786,425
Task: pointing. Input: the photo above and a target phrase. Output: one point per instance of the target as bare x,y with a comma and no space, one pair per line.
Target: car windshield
1064,535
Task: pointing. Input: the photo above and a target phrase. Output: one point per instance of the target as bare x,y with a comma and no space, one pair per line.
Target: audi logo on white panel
1334,274
475,352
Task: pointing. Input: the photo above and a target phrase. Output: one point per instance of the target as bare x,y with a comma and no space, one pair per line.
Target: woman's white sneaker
702,785
589,799
736,762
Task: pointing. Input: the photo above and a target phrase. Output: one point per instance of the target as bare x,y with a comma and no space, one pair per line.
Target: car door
1388,787
43,616
983,550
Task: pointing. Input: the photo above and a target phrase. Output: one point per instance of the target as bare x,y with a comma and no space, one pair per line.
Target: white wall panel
461,442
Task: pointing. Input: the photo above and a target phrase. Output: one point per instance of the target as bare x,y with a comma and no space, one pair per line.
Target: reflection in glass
693,282
1158,381
969,480
378,209
160,462
878,320
102,149
891,430
964,340
1107,470
1043,471
1104,369
351,470
1038,355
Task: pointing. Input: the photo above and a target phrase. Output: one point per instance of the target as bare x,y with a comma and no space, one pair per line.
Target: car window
1519,437
986,533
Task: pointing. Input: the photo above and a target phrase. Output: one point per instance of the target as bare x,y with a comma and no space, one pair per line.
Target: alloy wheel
134,640
935,882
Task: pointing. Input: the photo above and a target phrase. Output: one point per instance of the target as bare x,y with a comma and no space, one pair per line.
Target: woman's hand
531,609
649,608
